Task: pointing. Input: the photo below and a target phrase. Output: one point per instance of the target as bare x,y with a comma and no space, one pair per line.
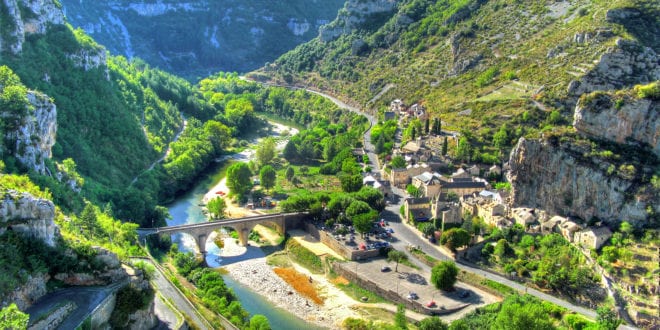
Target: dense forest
117,118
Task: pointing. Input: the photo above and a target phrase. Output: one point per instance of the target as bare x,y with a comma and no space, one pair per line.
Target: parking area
412,284
380,236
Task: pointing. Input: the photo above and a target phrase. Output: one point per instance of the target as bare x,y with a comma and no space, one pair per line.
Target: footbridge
243,226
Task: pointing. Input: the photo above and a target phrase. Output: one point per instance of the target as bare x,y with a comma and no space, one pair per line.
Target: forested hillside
196,38
116,118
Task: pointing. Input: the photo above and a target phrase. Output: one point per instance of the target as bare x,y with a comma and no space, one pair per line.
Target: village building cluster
464,194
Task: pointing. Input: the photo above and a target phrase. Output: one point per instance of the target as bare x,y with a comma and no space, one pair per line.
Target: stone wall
54,318
339,247
101,314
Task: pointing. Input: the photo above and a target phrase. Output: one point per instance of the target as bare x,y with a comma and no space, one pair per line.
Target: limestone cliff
622,119
27,17
31,216
355,13
622,66
561,176
35,136
195,37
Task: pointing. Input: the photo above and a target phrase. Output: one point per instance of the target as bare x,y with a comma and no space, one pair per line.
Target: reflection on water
186,209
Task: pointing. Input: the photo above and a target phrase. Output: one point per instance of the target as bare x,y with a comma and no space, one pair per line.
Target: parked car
412,296
431,304
385,269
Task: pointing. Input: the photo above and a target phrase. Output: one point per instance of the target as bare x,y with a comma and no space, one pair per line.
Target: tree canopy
239,178
443,275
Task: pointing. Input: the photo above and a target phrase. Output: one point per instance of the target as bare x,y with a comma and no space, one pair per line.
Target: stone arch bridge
201,231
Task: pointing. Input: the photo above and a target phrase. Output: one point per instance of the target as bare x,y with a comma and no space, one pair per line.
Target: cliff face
634,121
29,215
354,13
38,14
622,66
36,135
556,177
195,37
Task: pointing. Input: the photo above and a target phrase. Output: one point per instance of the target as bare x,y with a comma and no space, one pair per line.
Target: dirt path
167,152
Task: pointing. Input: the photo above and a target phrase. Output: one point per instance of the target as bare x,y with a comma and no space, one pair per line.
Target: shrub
650,91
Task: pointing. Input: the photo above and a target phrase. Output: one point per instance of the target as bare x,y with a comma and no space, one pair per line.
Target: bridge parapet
201,231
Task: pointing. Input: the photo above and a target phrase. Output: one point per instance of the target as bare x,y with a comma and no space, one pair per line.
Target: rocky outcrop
354,13
22,212
31,291
35,136
110,271
623,66
28,17
620,119
89,59
558,177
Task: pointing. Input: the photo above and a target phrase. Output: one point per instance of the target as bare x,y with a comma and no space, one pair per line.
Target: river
187,209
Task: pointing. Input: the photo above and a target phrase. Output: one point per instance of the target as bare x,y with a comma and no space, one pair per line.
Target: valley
395,164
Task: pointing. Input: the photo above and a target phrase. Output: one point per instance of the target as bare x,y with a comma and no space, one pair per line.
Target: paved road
85,298
406,235
170,292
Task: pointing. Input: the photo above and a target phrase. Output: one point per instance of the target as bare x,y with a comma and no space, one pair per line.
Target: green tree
445,146
455,238
607,318
11,318
463,149
398,162
259,322
501,138
217,207
427,229
289,173
238,178
396,256
427,124
265,152
88,220
267,177
432,323
413,191
626,228
290,151
514,316
443,275
413,135
400,320
351,183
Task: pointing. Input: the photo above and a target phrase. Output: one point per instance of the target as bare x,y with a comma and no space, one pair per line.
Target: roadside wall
101,314
339,247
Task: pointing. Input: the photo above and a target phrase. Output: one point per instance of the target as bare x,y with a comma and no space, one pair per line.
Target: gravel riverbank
259,276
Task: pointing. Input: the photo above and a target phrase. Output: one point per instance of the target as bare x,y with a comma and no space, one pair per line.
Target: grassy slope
511,38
